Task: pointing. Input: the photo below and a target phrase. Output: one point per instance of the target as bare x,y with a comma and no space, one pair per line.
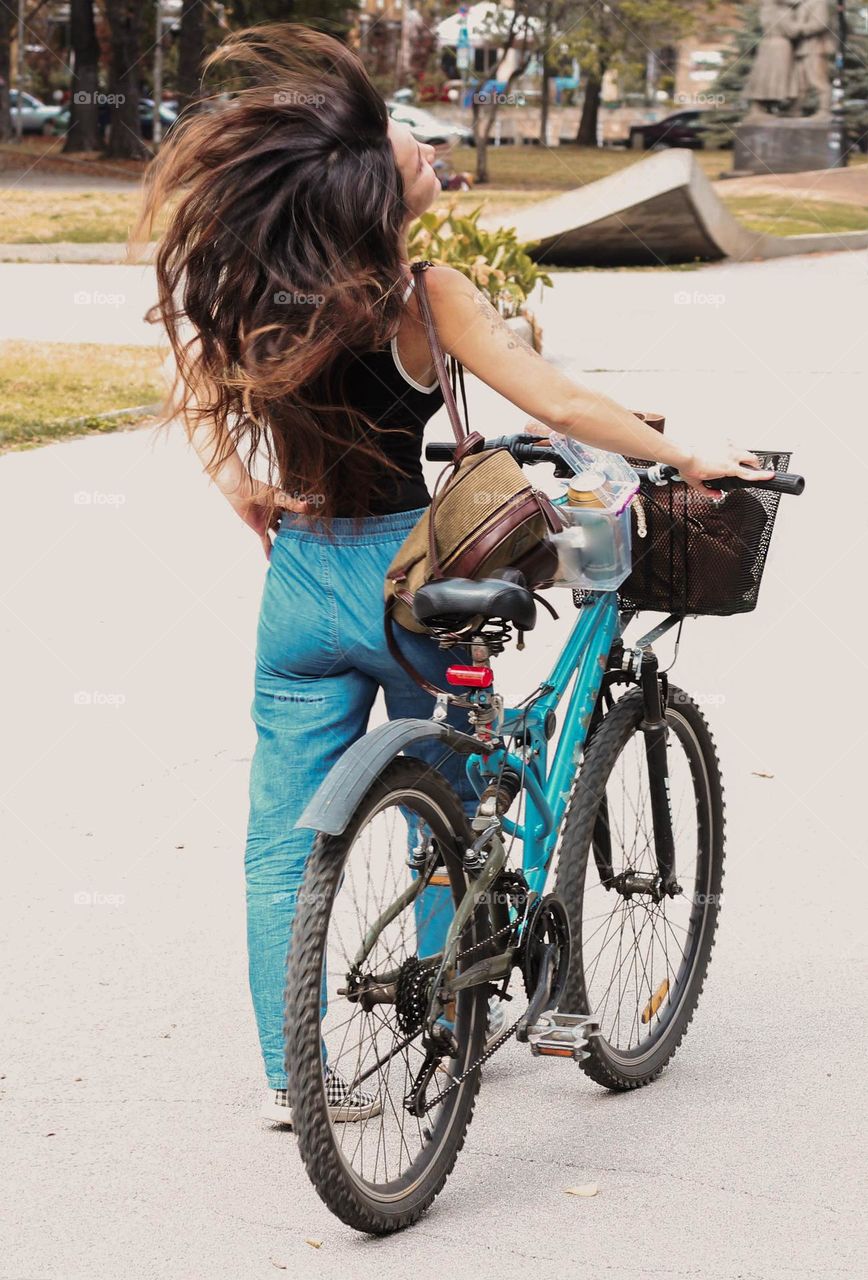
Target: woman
285,289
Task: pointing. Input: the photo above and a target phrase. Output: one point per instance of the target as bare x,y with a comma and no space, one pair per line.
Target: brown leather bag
484,514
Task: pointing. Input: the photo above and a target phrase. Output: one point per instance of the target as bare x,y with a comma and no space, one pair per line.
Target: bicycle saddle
454,602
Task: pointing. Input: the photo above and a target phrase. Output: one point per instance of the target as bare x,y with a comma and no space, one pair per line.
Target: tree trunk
7,20
191,47
125,136
483,119
83,134
587,134
544,103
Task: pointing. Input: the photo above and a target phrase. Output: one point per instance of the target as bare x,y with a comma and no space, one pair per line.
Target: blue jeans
321,657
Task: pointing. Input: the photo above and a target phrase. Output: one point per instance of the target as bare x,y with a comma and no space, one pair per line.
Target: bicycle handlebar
527,450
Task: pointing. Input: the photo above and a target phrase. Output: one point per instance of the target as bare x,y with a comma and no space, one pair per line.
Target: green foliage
618,35
332,16
496,261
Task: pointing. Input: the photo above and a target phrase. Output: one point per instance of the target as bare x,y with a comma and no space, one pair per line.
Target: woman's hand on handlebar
713,464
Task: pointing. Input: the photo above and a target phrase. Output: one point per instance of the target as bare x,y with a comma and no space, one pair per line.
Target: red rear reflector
477,677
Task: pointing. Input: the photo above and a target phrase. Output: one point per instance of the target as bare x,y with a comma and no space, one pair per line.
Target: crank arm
540,999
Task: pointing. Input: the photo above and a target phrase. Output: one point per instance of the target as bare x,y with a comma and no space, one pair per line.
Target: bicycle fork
644,667
656,731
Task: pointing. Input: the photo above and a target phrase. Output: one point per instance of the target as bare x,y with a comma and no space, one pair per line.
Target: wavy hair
282,259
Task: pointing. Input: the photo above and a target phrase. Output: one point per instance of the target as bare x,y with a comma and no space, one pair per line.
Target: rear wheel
639,959
382,1172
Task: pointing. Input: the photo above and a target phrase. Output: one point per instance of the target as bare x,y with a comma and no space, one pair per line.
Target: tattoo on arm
497,324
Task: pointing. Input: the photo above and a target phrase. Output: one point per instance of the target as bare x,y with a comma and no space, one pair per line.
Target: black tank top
377,384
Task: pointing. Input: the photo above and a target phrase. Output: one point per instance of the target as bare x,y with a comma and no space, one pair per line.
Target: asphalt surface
131,1076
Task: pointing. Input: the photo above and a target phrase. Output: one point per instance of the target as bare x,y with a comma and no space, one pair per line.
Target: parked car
60,123
682,129
449,91
428,128
36,116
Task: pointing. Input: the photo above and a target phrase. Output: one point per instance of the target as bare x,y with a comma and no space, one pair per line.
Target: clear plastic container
594,548
595,545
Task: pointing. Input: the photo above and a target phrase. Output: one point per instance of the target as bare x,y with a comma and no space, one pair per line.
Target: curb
137,410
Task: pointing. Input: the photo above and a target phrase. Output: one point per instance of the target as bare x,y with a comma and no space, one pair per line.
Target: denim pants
321,657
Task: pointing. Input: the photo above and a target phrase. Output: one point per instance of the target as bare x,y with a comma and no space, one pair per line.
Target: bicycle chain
492,1049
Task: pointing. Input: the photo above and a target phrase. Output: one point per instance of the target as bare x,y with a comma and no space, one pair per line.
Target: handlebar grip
524,448
782,482
440,452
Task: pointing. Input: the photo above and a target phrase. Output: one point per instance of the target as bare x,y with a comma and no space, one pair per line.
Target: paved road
131,1076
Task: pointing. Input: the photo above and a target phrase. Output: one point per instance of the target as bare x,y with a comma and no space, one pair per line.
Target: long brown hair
282,258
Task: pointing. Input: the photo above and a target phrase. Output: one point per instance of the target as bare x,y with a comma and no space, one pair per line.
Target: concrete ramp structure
658,211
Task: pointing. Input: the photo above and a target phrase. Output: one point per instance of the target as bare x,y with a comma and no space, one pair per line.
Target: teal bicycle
402,948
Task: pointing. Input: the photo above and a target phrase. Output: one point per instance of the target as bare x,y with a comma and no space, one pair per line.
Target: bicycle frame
547,790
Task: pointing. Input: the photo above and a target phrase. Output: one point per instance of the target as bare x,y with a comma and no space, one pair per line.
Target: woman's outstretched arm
472,330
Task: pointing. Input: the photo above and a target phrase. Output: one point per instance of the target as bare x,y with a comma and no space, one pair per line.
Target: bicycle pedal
562,1035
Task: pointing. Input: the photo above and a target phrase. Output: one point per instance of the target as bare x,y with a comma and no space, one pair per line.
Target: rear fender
338,795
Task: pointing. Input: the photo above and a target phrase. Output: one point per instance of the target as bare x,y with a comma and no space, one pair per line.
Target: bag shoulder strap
466,440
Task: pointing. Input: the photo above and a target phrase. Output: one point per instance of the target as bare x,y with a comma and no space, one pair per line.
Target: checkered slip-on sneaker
345,1105
277,1108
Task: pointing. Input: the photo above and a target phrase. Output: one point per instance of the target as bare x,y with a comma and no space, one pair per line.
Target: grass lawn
784,216
49,216
563,167
46,386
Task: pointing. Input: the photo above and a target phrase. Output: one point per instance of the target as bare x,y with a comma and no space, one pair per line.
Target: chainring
547,923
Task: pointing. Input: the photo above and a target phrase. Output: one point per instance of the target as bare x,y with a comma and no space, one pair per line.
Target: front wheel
640,957
360,982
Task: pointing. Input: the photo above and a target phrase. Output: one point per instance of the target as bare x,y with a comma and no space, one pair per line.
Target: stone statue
813,44
771,77
791,59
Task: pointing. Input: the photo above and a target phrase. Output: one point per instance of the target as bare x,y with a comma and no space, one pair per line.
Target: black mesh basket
699,558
